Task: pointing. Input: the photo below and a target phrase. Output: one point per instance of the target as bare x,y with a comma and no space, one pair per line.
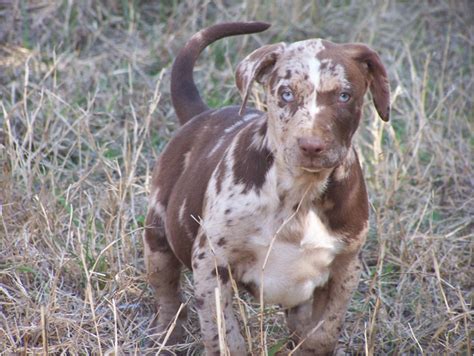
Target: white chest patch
293,269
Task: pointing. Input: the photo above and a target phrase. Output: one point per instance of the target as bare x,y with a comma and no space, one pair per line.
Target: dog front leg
329,306
213,292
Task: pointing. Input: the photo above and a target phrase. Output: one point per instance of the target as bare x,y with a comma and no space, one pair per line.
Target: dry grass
85,110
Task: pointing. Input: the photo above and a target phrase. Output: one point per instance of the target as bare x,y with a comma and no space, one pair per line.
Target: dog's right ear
256,66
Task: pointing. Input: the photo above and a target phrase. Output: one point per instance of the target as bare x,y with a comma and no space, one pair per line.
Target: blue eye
344,97
287,96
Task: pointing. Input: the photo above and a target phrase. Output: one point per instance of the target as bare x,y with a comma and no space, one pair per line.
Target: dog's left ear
377,77
256,66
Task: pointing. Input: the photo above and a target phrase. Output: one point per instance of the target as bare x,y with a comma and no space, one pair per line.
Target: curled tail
186,99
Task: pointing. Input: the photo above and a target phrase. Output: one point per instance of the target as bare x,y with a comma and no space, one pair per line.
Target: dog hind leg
163,273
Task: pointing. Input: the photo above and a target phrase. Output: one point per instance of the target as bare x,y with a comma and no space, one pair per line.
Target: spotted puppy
274,200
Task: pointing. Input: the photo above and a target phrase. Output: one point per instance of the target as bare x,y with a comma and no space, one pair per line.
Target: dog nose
311,146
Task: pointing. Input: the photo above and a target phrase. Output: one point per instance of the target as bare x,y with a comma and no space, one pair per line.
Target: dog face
315,92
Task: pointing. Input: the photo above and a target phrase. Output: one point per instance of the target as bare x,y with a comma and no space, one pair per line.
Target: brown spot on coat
350,209
250,287
199,303
202,240
155,235
250,164
222,272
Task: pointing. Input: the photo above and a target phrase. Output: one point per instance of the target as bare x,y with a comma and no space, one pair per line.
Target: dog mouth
316,165
312,170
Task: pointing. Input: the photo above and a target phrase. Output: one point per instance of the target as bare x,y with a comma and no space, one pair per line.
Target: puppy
274,200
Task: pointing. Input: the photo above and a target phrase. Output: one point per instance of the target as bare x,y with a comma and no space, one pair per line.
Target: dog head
315,91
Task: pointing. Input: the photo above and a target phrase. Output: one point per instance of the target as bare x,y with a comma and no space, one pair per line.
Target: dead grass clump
85,110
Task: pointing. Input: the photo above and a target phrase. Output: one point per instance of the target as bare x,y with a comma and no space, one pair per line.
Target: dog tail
185,96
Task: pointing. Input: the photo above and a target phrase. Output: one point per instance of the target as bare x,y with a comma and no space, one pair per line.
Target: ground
85,111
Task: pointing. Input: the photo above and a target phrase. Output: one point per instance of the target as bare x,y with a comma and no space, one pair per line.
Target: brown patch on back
250,164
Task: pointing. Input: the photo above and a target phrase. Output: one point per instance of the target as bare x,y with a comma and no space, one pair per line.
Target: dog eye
287,96
344,97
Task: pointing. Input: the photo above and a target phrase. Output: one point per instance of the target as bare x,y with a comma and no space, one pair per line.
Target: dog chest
290,252
267,243
295,264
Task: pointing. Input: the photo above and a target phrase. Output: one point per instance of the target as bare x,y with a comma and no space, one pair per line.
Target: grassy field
85,111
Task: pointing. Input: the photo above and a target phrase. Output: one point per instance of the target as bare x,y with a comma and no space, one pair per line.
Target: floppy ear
377,77
256,66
